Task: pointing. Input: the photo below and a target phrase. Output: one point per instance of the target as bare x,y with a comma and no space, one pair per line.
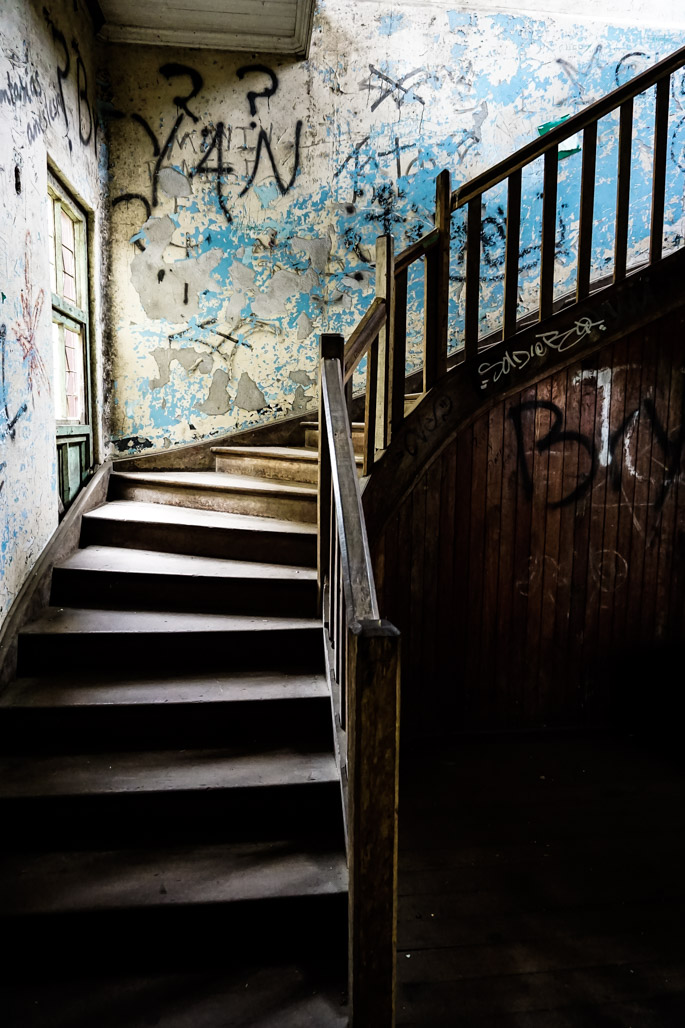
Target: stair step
412,400
285,463
74,637
108,576
79,713
218,491
159,901
205,533
311,436
132,797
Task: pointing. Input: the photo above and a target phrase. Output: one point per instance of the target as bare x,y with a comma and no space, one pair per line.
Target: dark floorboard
542,885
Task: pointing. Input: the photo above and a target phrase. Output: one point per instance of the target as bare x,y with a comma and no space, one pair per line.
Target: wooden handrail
363,335
537,147
357,576
363,671
416,251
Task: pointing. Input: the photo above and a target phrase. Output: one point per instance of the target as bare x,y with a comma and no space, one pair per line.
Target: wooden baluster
373,744
437,287
511,257
625,140
587,210
656,241
549,232
472,291
385,286
331,347
370,407
399,358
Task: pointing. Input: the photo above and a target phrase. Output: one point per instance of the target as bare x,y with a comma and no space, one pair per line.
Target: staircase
168,789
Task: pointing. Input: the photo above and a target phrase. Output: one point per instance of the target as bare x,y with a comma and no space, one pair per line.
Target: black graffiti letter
82,94
555,435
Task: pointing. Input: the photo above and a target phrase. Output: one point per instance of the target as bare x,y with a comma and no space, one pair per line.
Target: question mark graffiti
269,91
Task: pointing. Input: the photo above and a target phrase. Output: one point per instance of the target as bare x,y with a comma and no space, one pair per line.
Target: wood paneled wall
537,570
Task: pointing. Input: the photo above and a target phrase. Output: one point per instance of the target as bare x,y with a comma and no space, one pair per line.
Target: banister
416,250
357,576
576,123
363,335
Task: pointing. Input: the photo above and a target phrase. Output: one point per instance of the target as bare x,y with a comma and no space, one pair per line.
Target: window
69,286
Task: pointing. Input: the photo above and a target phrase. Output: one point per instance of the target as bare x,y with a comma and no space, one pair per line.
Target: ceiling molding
122,25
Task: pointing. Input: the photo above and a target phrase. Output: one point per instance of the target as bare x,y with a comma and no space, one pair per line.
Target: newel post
331,346
373,749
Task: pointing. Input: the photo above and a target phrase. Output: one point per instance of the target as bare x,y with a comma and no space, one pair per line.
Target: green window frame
68,252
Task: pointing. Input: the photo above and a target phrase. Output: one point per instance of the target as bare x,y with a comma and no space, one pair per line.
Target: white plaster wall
47,113
247,202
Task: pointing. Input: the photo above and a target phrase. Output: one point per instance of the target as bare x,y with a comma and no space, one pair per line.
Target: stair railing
364,664
471,193
381,335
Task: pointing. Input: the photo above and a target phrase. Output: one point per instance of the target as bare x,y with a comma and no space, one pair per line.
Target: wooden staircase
168,789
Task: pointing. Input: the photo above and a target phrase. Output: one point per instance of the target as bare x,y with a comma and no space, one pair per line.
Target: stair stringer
463,394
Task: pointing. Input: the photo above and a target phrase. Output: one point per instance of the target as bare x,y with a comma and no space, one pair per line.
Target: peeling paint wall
248,192
47,113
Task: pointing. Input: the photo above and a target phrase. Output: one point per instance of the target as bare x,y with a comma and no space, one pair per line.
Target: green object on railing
548,125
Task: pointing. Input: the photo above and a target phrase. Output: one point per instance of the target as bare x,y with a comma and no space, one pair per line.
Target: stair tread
359,425
218,481
288,453
143,772
138,511
275,452
66,620
231,687
123,559
72,881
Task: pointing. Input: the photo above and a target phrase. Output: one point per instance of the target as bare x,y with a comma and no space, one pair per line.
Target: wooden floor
542,885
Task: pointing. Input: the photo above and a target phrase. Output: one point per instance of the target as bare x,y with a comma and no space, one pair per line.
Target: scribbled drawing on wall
290,172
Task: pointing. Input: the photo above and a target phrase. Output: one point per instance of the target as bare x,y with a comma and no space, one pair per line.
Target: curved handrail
537,147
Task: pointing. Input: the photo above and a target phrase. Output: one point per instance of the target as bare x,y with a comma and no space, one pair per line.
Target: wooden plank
472,288
432,559
587,210
587,395
373,743
447,587
476,697
511,257
551,684
416,575
509,502
667,558
566,554
524,428
364,335
491,570
399,361
457,673
625,141
385,285
621,480
549,233
656,239
533,702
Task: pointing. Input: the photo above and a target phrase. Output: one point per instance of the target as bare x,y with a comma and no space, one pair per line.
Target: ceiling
268,26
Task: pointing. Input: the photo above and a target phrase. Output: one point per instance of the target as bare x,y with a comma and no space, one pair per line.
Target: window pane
67,231
70,399
51,235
